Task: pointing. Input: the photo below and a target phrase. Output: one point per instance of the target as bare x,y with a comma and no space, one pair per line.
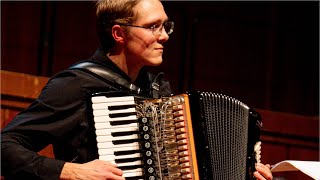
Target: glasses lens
168,27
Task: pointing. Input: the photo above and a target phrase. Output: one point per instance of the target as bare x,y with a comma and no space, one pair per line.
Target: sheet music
310,168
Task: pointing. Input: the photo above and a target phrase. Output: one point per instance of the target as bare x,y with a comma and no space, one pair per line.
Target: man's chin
155,62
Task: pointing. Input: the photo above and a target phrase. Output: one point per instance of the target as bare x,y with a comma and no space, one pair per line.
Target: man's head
137,27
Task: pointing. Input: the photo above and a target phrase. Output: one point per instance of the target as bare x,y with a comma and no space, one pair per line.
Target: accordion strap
106,74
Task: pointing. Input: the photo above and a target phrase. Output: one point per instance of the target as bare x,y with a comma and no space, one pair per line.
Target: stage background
265,54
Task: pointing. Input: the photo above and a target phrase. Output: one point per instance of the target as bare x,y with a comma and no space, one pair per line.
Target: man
132,35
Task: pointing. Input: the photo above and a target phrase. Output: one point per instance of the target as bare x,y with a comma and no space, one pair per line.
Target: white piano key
108,145
107,105
105,158
132,170
135,155
105,152
108,119
105,132
107,125
132,173
134,163
106,138
112,150
115,130
106,112
103,99
112,157
132,117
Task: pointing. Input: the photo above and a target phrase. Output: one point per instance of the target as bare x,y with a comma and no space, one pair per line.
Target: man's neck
132,70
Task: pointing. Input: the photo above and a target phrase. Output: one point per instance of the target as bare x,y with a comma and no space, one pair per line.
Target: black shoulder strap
105,74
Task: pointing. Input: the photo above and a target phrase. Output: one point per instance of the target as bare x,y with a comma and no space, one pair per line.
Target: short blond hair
111,12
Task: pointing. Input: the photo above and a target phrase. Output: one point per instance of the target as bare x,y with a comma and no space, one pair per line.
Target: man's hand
263,172
93,170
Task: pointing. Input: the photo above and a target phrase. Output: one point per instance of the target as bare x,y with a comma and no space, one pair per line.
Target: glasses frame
153,27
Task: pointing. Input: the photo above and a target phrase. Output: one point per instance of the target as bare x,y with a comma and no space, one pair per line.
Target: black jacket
61,116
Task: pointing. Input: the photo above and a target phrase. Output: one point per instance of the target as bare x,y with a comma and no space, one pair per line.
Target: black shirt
61,116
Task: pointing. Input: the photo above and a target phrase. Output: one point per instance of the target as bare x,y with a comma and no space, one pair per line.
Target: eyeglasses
157,28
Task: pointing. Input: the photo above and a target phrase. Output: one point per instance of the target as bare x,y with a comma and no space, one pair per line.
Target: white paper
310,168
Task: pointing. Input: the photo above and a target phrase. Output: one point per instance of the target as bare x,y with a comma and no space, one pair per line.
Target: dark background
262,53
265,54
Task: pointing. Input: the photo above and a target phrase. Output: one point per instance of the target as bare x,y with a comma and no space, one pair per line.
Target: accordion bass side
200,135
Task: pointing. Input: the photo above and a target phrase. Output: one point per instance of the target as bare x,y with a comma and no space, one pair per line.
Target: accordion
199,135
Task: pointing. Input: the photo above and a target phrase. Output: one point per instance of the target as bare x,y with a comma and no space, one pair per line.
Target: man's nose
164,36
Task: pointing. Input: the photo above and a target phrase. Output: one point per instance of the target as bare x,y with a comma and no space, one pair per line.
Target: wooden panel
21,85
7,115
291,124
292,134
47,151
272,153
287,136
18,90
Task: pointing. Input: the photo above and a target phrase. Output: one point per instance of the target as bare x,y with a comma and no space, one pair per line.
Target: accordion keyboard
117,133
147,139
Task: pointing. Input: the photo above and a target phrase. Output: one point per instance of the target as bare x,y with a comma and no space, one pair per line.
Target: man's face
143,48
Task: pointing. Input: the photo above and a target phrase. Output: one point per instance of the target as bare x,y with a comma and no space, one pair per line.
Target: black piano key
113,94
119,153
127,160
135,178
127,141
130,167
111,108
124,133
116,115
115,123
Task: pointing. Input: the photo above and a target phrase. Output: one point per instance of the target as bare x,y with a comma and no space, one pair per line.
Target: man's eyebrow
157,22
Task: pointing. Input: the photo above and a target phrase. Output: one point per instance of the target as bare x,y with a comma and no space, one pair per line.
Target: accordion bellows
199,135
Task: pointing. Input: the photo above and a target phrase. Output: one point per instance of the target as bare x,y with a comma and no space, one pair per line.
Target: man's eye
155,26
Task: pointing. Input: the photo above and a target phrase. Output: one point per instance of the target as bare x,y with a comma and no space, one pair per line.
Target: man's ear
118,34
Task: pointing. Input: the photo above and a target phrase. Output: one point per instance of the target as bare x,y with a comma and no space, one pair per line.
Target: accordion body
199,135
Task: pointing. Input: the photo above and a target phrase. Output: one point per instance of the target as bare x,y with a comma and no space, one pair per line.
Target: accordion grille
227,132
